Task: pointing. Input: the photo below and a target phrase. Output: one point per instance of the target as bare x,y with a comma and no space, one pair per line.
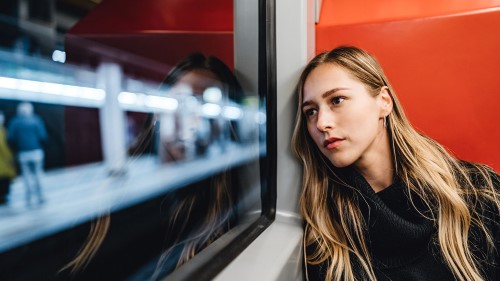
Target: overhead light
59,56
161,102
211,110
260,118
52,88
128,98
232,112
212,94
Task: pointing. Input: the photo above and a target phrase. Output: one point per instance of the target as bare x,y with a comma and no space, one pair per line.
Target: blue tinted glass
115,164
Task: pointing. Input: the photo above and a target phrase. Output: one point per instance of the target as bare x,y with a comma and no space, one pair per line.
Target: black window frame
208,264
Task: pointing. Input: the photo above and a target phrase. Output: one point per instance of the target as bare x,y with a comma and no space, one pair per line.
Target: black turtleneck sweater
403,243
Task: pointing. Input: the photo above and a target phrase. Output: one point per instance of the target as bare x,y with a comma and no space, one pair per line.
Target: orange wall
444,66
341,12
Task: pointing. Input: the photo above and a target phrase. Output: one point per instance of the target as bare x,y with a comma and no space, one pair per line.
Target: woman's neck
378,179
376,165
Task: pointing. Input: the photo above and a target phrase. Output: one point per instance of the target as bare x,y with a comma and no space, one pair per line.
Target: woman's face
197,81
343,118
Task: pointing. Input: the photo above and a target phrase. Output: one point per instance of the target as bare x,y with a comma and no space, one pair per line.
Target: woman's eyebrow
306,103
324,95
332,91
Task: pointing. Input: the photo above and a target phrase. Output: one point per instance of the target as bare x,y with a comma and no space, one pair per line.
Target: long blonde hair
446,185
197,216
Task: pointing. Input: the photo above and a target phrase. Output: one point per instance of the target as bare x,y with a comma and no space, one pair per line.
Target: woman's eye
310,112
337,100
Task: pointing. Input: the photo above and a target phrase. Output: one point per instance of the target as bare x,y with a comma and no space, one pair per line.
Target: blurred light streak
211,110
232,112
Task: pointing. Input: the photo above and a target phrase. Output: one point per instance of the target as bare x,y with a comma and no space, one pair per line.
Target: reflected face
197,80
343,118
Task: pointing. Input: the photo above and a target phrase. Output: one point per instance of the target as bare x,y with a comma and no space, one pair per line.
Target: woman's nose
325,121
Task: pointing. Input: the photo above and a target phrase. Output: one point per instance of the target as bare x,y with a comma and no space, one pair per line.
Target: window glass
122,155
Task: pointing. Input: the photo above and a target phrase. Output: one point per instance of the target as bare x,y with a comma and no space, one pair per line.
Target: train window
132,151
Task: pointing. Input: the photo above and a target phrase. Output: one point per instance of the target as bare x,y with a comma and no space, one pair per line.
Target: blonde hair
445,185
189,229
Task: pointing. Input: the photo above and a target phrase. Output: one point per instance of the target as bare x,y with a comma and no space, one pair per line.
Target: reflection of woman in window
196,77
197,214
380,200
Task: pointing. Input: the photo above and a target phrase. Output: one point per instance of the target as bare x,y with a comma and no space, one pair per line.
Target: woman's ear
385,101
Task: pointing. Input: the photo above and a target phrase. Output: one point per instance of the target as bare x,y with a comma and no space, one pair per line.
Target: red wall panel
148,37
132,16
342,12
445,70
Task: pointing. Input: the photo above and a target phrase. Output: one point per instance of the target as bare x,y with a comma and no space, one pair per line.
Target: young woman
380,200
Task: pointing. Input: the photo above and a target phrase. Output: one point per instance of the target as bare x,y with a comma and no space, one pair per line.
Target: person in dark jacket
381,201
26,132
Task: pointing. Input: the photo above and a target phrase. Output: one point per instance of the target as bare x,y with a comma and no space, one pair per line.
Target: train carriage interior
150,140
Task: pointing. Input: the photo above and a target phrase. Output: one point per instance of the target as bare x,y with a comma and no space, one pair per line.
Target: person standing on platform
7,168
27,133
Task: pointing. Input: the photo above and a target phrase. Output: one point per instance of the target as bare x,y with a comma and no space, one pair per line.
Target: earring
385,122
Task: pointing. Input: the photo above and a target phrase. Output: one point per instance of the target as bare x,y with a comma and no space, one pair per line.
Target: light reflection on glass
182,137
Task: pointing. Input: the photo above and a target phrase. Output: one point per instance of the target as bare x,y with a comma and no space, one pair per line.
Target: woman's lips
332,143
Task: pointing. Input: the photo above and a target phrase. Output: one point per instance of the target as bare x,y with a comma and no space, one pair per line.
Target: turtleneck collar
397,233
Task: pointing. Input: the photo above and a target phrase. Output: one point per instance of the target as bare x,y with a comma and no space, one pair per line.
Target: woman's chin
340,163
